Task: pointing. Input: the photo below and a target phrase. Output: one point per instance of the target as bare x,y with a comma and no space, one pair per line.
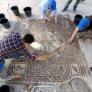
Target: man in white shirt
48,6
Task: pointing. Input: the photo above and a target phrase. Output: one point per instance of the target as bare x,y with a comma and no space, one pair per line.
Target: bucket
5,23
77,19
90,68
28,11
4,88
15,10
2,16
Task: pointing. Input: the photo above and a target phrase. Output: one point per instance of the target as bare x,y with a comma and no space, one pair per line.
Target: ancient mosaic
63,61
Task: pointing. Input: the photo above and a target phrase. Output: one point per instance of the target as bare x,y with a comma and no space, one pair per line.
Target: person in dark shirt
13,46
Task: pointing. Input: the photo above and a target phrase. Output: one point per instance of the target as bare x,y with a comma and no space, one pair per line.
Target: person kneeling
48,10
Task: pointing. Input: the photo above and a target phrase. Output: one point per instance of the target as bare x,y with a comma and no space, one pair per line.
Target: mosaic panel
64,60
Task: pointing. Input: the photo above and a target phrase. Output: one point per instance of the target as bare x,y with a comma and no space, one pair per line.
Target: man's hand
42,58
48,19
53,18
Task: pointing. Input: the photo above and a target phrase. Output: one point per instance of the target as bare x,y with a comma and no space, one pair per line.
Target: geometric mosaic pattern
65,60
64,63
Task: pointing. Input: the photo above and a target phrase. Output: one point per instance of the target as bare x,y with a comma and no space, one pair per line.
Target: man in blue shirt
48,6
83,24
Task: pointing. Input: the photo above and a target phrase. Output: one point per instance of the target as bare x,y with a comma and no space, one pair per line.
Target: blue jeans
15,55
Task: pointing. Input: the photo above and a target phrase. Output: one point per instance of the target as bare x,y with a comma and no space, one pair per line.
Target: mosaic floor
60,66
64,60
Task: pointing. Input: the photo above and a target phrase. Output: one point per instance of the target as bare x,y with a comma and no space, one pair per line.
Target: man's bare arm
73,35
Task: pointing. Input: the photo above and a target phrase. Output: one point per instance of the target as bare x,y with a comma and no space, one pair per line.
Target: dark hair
28,38
4,88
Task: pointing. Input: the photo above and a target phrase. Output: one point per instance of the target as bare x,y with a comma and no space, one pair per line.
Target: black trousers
75,5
